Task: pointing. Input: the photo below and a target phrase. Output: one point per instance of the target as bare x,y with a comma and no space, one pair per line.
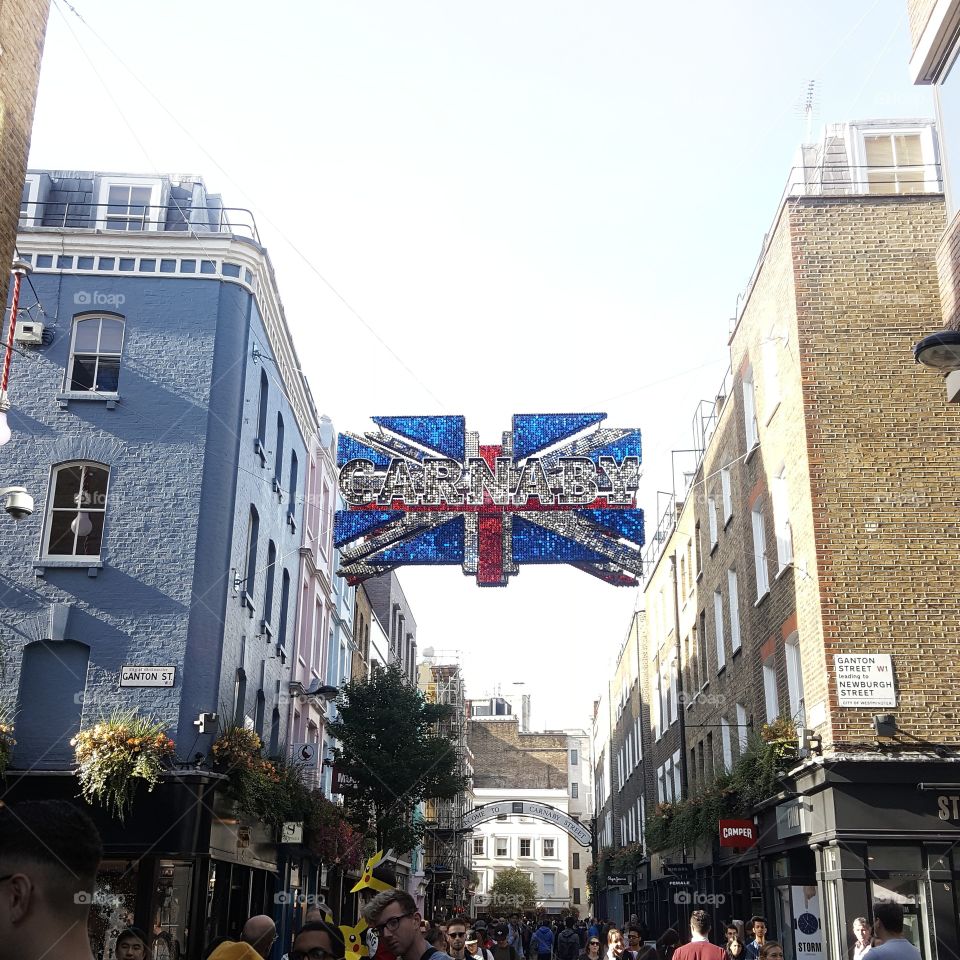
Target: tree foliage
514,883
394,758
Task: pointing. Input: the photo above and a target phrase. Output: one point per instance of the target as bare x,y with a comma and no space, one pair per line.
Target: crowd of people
50,853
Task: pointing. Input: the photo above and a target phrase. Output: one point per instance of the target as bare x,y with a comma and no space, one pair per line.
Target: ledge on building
109,400
91,564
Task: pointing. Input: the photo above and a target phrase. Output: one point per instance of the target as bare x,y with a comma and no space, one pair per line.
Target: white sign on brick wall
865,680
147,676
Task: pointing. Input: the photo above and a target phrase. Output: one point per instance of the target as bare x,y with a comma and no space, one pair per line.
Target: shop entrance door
912,892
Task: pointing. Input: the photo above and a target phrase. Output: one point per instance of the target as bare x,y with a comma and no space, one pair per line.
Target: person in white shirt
864,937
888,929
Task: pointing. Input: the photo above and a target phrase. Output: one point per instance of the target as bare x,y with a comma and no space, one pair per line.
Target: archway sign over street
558,488
528,808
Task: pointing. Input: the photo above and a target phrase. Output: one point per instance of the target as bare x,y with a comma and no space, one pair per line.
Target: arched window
271,571
240,697
294,469
76,510
278,455
262,410
284,607
253,535
95,348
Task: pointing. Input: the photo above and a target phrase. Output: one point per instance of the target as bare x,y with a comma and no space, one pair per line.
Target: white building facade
580,790
539,849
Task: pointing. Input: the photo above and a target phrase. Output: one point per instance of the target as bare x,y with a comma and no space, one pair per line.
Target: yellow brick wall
918,12
22,27
884,458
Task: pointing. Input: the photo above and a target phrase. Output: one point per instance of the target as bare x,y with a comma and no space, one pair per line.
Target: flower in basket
114,755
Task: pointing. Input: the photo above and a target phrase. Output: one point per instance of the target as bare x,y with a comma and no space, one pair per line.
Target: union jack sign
559,488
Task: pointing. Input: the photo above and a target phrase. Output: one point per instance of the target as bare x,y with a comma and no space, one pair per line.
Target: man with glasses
394,916
318,940
49,854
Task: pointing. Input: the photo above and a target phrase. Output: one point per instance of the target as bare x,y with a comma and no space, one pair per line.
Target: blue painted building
163,427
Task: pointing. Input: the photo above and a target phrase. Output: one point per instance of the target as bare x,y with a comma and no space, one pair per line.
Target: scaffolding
448,861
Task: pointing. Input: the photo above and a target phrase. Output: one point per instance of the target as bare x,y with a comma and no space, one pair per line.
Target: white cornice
217,247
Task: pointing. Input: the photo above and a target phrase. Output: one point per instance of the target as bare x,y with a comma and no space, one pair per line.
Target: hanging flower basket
114,756
255,782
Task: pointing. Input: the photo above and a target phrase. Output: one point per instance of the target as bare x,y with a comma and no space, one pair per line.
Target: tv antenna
807,107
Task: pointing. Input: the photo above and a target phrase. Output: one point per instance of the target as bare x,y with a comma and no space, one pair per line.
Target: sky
487,209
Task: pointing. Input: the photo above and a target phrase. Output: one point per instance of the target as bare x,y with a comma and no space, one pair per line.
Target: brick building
812,527
23,24
165,432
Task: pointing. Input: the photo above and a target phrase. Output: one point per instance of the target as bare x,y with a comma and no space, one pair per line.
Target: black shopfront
855,831
183,866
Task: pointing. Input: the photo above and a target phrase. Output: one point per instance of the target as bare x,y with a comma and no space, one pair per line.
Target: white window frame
496,848
661,785
483,847
574,757
742,733
30,217
718,630
726,492
552,891
791,649
79,558
106,354
780,501
750,426
733,601
760,563
771,698
153,214
677,791
574,790
520,842
712,517
552,855
674,701
725,743
931,180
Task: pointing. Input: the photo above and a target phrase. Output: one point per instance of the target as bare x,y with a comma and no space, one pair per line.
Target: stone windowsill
109,400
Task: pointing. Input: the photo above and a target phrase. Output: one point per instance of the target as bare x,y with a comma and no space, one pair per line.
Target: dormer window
127,205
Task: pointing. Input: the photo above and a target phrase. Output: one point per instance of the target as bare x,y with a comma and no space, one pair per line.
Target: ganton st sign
558,488
528,808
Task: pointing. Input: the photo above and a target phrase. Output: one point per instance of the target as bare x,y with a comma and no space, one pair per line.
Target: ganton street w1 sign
558,488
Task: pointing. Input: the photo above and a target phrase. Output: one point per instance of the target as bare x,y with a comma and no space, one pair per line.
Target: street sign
865,680
679,871
132,676
291,833
340,781
306,753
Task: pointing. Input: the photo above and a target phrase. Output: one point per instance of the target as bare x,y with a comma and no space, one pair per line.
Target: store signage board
617,880
133,676
738,833
865,680
558,488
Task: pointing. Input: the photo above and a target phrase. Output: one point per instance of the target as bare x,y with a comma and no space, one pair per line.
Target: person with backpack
568,943
541,943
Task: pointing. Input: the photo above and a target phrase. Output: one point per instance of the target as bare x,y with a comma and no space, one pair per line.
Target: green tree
392,755
517,887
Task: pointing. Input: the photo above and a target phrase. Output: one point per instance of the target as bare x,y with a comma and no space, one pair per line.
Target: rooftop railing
139,218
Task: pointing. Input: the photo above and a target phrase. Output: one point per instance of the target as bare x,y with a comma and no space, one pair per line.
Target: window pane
879,151
911,181
908,150
85,338
67,492
111,335
881,181
108,375
118,196
83,374
140,195
61,536
95,488
89,545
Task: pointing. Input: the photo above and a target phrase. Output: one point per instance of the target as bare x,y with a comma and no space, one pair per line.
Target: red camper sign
737,833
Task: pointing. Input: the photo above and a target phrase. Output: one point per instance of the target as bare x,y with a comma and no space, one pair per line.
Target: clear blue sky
540,206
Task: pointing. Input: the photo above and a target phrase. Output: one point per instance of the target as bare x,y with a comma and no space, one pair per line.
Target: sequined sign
559,488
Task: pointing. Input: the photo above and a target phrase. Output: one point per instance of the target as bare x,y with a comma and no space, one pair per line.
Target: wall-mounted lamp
941,352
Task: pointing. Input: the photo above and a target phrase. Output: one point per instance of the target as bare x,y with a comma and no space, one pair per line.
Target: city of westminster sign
558,488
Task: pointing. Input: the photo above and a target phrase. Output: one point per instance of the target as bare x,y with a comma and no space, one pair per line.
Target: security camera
18,502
